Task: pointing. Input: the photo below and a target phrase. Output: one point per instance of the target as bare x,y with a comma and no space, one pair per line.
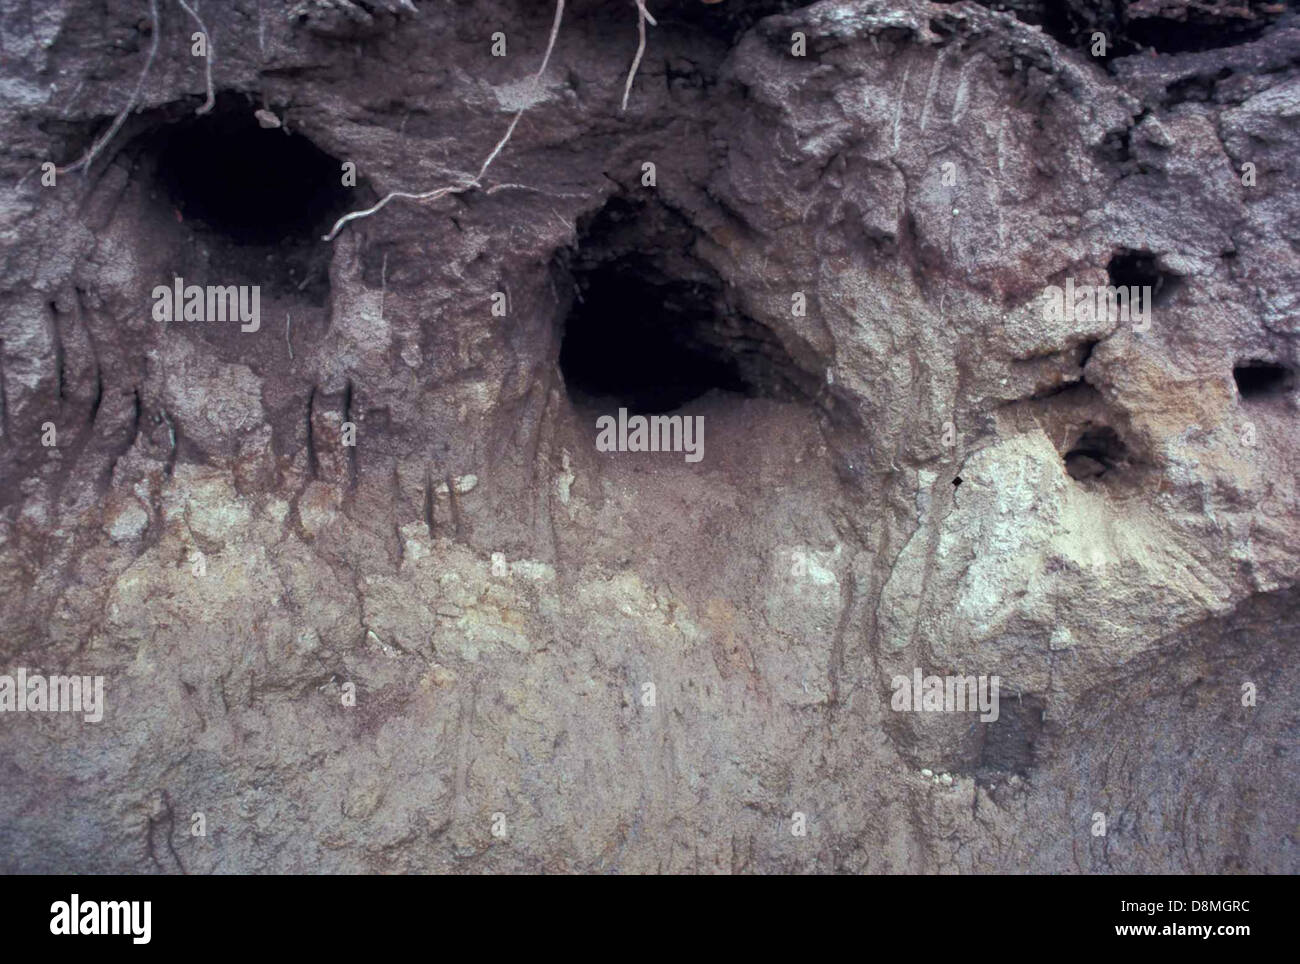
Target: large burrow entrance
652,327
250,183
254,198
233,202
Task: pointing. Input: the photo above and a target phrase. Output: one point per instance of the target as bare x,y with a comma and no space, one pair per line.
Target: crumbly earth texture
471,642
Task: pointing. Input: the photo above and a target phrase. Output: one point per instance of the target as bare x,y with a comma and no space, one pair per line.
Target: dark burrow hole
651,326
1099,450
1196,88
1013,744
633,339
1172,36
1190,27
252,184
1262,379
257,197
1131,267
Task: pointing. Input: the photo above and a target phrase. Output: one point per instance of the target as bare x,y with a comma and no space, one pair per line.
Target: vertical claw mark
428,501
312,465
455,506
171,434
169,818
352,449
396,496
4,398
98,397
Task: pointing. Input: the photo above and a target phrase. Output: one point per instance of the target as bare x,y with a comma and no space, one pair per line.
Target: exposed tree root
469,183
207,59
107,136
642,15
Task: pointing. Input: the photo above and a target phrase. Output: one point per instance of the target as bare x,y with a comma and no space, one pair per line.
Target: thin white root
496,150
512,186
383,202
550,44
642,15
207,61
107,136
468,183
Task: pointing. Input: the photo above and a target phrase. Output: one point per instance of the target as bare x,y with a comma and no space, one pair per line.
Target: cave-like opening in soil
251,201
635,339
652,327
252,184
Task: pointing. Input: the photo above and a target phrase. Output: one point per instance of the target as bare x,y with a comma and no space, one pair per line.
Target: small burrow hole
1014,745
1098,451
1262,379
1139,269
1134,28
